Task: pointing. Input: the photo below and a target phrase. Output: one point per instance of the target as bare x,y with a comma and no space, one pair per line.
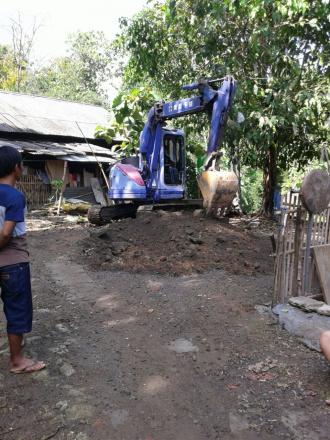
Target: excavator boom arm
217,102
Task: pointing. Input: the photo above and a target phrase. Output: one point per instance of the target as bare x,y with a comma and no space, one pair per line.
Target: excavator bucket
218,188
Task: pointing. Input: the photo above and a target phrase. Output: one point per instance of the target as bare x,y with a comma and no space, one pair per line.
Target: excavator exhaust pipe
218,188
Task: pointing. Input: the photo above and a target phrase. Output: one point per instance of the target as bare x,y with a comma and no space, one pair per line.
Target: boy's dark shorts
15,283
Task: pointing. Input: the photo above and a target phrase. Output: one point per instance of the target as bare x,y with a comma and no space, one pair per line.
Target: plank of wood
297,245
65,172
322,262
97,190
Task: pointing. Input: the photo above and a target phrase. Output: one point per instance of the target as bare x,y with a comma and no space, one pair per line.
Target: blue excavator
158,173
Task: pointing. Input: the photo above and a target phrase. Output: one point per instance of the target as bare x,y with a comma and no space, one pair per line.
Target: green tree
91,52
7,69
129,114
61,79
81,76
278,50
22,44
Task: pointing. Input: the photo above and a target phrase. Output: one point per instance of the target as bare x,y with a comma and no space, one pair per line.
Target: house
54,136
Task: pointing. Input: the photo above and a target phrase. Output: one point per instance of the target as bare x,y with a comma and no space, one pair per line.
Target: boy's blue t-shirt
12,208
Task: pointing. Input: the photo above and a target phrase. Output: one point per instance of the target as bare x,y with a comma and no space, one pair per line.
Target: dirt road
141,355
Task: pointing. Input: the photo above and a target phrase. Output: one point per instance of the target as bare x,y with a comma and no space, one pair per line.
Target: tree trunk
269,183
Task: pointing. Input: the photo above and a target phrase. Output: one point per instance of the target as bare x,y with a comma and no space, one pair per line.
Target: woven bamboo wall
290,250
36,192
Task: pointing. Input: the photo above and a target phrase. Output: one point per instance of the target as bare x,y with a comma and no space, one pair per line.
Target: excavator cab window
173,159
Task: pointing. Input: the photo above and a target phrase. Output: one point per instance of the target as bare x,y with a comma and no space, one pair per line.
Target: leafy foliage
7,69
91,53
22,44
191,177
56,187
293,177
251,190
278,51
61,79
81,76
129,113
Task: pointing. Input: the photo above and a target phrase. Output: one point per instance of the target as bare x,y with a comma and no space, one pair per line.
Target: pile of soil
176,243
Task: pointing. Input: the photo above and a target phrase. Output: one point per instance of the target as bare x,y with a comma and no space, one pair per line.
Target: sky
58,18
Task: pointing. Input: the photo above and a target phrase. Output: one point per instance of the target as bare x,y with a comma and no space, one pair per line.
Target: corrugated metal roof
102,159
37,114
77,152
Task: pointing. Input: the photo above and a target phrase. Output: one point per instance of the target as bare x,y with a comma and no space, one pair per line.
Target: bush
251,190
191,177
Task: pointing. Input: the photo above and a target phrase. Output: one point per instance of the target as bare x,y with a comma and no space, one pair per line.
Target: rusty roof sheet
36,114
73,151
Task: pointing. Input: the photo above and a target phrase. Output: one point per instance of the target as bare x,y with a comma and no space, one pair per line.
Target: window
173,159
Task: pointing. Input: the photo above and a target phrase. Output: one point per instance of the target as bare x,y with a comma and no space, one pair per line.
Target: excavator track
101,215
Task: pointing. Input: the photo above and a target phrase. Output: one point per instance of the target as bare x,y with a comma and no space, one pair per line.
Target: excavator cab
170,182
127,181
174,158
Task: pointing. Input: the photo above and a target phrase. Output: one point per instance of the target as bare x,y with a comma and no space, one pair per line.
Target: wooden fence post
292,241
63,187
297,245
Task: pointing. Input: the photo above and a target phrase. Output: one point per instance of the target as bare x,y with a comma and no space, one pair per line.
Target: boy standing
15,280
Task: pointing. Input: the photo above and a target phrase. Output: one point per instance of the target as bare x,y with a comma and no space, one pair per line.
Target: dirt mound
176,243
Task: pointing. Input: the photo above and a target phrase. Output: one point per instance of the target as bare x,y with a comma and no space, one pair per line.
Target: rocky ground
157,329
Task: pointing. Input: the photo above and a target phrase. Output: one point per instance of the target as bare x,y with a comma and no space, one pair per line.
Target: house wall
55,170
38,175
49,170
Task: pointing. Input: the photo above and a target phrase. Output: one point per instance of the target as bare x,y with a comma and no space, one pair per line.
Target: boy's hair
9,158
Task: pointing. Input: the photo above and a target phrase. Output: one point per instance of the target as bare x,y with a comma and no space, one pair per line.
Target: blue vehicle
158,173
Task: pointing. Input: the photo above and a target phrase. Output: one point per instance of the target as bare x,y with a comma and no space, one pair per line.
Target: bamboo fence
36,192
291,246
